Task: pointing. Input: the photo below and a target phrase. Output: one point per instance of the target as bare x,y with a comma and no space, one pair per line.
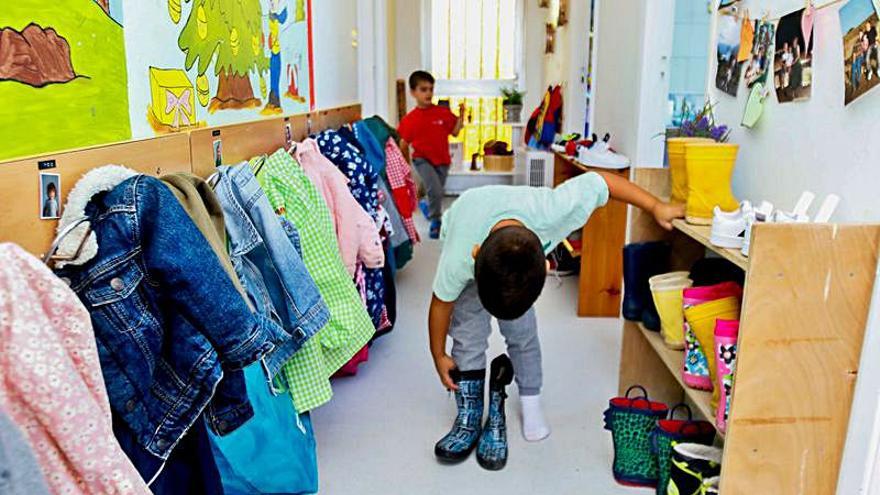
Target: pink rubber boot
726,334
695,372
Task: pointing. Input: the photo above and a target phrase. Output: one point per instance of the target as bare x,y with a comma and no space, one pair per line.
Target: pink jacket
357,234
51,384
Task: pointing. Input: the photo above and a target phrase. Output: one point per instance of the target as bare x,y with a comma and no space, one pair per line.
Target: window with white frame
474,52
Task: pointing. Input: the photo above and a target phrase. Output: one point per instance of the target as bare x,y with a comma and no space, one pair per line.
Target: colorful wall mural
71,75
62,76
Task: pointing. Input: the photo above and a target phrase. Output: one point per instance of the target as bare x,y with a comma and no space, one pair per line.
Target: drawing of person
277,17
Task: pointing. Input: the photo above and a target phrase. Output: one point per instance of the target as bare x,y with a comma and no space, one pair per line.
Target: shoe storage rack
807,293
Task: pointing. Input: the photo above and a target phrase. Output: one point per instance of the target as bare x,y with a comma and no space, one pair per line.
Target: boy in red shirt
427,129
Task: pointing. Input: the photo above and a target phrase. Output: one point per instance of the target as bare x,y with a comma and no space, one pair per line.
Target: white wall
618,68
336,60
408,42
818,145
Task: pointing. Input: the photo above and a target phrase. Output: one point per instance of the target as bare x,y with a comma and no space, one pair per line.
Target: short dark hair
52,187
420,76
509,271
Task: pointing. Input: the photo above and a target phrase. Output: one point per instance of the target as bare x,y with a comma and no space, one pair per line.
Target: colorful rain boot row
701,320
697,372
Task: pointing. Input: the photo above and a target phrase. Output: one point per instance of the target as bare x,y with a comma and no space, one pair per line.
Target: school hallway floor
377,435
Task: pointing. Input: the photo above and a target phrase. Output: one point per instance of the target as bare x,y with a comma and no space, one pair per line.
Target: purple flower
703,124
718,132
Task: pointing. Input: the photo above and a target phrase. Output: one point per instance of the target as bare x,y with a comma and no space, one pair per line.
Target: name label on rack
46,164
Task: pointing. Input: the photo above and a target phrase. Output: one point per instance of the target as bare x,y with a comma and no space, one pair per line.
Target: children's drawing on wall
213,62
762,53
861,53
728,73
62,76
793,68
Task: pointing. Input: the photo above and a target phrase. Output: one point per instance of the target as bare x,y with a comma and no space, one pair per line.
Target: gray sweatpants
470,330
434,180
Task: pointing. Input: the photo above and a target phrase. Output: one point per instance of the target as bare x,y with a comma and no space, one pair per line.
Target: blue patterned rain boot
462,438
492,449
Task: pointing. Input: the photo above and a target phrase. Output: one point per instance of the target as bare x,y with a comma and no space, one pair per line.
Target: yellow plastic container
709,172
677,171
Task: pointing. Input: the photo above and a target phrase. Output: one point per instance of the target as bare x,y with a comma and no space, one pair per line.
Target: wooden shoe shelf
807,293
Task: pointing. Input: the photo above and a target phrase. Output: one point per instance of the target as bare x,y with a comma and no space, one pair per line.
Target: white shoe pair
601,156
733,229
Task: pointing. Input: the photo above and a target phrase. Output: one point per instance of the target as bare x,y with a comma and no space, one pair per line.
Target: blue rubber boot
492,449
423,206
462,438
434,233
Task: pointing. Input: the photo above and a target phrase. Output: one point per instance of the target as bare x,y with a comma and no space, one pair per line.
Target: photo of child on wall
762,53
793,67
861,56
728,73
50,191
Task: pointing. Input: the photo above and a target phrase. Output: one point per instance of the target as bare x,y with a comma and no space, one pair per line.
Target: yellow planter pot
709,172
677,171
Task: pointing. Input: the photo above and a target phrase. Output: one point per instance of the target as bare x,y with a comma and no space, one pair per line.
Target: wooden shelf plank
701,234
674,361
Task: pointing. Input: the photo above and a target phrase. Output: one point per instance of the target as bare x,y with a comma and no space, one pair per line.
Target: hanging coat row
207,318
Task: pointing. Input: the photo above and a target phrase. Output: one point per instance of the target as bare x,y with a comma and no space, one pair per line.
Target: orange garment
746,40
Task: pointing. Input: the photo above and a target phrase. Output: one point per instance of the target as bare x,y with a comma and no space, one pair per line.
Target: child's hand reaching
665,213
444,365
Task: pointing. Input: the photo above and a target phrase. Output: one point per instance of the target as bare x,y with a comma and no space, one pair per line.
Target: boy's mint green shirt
552,214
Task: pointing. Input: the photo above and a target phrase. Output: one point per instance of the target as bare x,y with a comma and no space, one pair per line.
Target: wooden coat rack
181,152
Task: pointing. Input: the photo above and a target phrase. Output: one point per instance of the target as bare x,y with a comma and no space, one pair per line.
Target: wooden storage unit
808,288
601,276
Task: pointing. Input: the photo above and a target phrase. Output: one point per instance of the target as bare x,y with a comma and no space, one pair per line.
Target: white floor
377,434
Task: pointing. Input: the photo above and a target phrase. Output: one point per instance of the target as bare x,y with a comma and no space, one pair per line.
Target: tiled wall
689,56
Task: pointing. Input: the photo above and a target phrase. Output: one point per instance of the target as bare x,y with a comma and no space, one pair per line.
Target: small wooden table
601,277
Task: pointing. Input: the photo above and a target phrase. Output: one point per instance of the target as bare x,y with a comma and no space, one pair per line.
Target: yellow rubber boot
677,170
701,319
668,301
709,171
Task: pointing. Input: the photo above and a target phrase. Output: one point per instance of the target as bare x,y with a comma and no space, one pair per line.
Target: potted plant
698,147
513,99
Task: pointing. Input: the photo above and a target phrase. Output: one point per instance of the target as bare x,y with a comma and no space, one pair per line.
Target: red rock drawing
36,56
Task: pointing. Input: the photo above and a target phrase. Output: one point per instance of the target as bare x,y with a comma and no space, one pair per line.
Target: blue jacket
168,321
264,249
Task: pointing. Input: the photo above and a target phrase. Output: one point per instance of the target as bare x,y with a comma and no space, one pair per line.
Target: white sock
534,425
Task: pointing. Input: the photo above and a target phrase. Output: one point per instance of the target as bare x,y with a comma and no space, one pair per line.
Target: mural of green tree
233,31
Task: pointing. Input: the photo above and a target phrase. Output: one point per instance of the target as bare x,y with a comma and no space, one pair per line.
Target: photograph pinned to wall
761,56
50,196
793,66
861,56
218,152
728,72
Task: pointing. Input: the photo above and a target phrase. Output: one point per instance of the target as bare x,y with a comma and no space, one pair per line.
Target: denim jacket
264,252
167,319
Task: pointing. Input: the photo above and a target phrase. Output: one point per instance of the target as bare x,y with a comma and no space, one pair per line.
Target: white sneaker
728,228
760,214
601,156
